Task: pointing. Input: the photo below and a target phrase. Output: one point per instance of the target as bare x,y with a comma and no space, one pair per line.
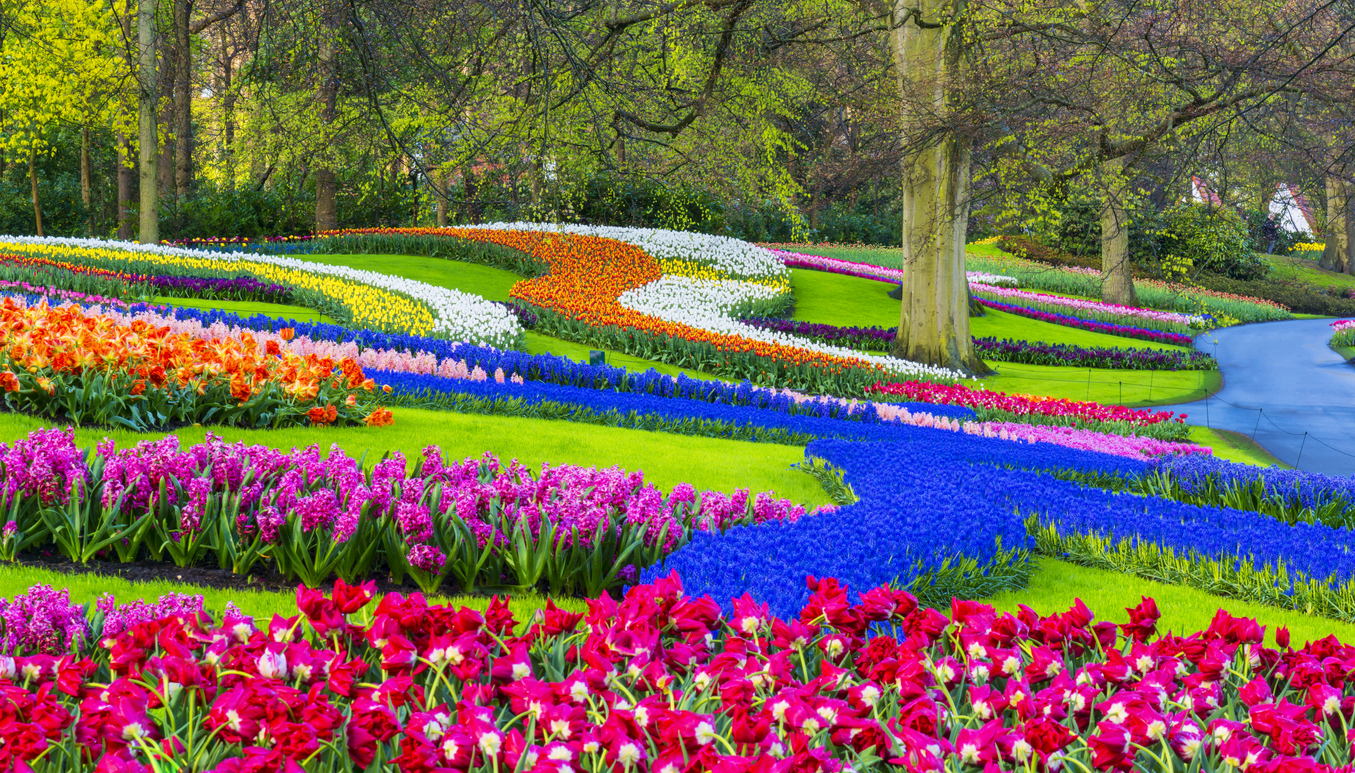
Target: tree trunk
227,114
126,182
33,179
1337,254
441,191
471,186
166,122
1117,279
183,100
326,182
86,172
149,91
934,318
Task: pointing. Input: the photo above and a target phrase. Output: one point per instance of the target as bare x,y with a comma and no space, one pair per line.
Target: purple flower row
241,288
247,504
1127,331
1037,353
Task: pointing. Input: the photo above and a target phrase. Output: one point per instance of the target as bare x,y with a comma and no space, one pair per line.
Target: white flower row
992,279
707,303
732,256
456,315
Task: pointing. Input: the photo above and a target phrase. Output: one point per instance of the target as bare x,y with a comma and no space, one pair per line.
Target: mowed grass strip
666,459
1056,585
261,605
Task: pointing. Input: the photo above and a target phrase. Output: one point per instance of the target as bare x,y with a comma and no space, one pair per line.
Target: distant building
1288,205
1291,210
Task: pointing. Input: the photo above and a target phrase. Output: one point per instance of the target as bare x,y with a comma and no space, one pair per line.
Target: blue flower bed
928,500
932,498
1308,489
553,369
776,415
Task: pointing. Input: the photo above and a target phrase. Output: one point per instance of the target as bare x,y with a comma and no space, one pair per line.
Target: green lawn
666,459
1234,447
492,284
889,257
1305,270
1134,388
262,605
848,300
250,308
484,281
852,301
1056,584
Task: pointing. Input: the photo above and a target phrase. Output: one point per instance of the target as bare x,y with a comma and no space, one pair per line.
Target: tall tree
928,47
149,92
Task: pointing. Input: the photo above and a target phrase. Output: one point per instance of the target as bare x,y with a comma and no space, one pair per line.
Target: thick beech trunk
149,91
934,318
1339,252
33,179
126,184
1117,279
326,182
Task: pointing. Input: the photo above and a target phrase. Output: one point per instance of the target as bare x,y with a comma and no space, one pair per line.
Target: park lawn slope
666,459
1056,585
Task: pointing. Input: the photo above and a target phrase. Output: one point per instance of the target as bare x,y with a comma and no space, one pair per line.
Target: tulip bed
1096,326
46,272
1343,332
1153,293
660,681
94,367
662,295
941,497
365,299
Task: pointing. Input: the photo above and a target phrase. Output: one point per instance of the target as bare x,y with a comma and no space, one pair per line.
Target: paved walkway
1280,381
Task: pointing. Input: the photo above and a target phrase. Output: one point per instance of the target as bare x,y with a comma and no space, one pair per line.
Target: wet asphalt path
1280,381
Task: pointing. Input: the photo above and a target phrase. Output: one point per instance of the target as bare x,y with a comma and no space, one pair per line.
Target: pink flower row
1131,446
869,271
1088,307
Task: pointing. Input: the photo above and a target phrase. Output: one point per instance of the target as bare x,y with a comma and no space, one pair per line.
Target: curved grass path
1281,380
837,299
666,459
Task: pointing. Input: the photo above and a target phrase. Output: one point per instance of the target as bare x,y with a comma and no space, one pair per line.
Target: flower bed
869,271
51,273
1092,310
955,394
566,528
501,396
99,368
941,513
1154,293
1128,331
1343,332
1033,352
448,359
365,298
611,293
1113,358
414,688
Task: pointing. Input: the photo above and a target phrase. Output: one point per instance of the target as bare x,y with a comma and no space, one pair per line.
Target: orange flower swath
41,341
587,276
